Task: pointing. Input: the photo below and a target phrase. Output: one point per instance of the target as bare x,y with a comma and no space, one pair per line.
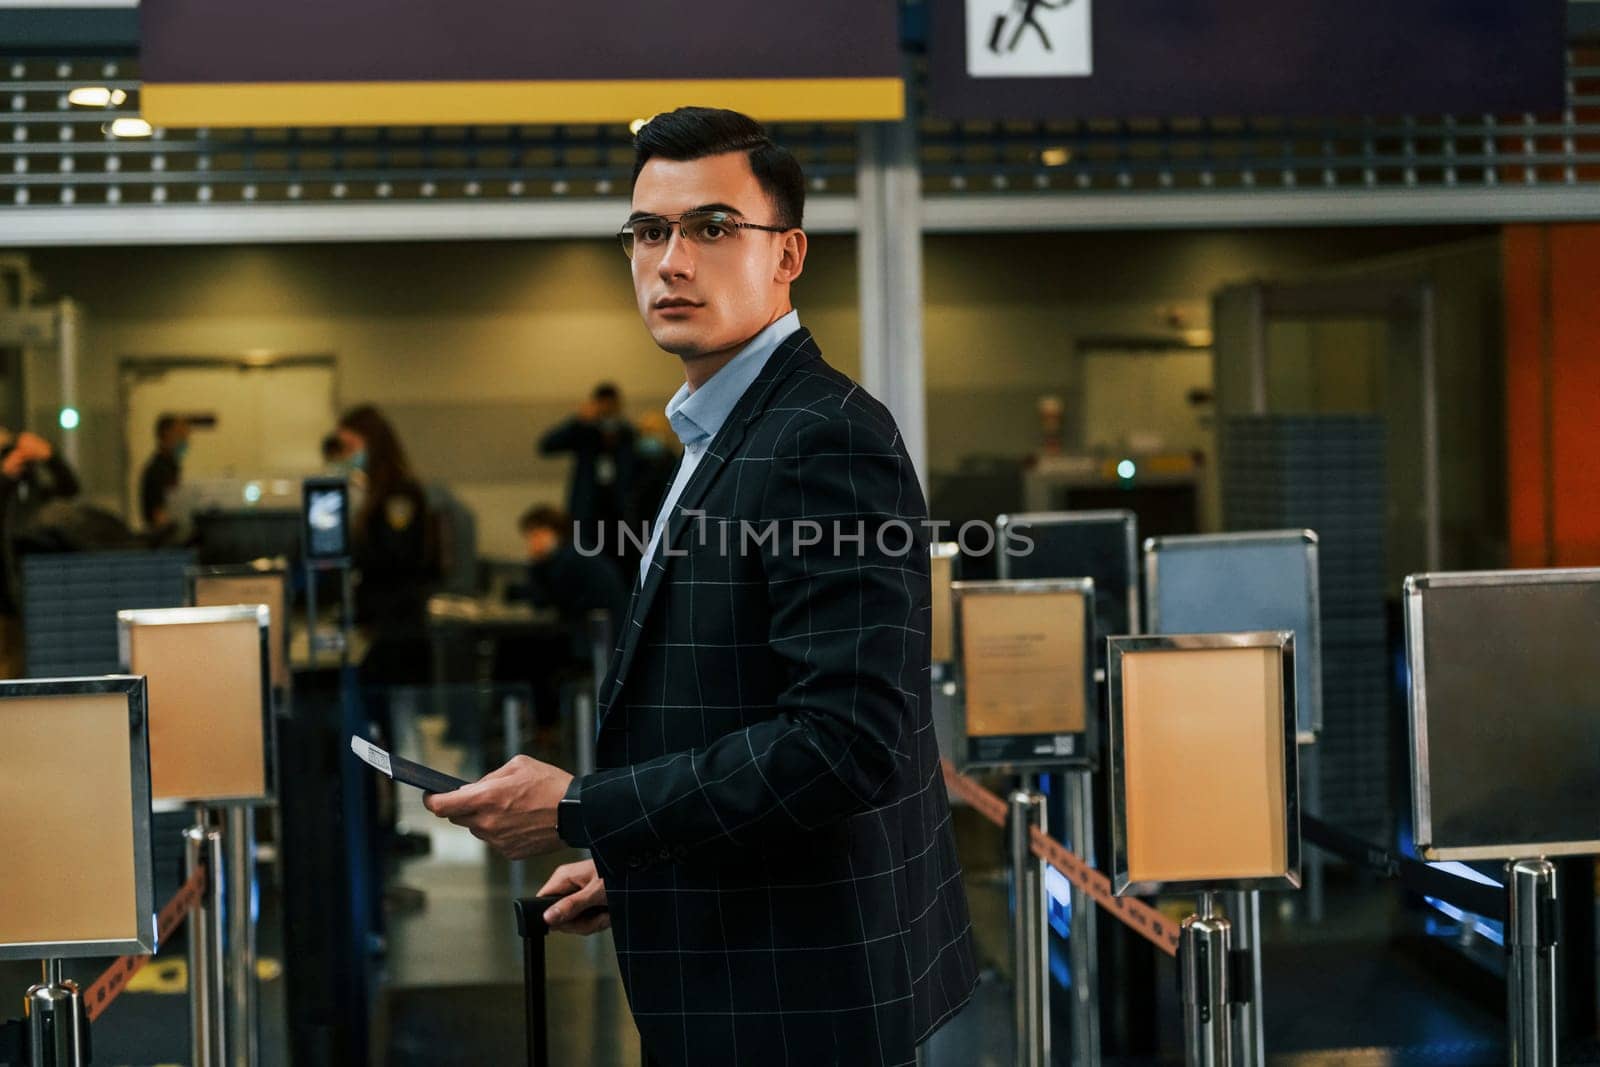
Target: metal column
242,886
889,255
1030,952
55,1021
1531,976
208,1025
1203,967
1083,941
69,339
1249,1043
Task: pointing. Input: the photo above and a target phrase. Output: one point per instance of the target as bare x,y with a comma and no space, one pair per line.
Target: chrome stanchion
55,1021
1531,977
511,725
1203,963
241,884
207,928
1082,940
1249,1043
1030,949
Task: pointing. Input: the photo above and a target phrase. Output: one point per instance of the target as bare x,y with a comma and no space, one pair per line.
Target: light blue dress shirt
697,416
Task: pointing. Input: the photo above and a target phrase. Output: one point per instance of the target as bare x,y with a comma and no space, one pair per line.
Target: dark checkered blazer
769,815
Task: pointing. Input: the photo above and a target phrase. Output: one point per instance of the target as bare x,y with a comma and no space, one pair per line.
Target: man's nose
676,260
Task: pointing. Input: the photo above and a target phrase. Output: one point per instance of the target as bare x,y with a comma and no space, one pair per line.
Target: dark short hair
167,423
697,132
607,391
546,516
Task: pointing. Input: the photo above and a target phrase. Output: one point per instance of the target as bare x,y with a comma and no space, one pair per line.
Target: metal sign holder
1218,980
1532,932
1068,751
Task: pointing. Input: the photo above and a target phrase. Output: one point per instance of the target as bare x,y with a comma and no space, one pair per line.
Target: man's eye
651,234
714,231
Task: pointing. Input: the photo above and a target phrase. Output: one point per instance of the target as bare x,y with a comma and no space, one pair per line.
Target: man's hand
512,809
581,888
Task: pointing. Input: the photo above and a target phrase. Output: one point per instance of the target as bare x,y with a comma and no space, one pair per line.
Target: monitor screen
1508,692
327,519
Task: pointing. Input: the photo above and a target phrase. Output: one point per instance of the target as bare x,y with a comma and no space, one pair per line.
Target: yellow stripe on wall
266,104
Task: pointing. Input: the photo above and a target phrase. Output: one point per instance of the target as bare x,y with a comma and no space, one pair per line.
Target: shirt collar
698,416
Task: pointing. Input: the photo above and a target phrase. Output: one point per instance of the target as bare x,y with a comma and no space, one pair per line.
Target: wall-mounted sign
432,62
1058,59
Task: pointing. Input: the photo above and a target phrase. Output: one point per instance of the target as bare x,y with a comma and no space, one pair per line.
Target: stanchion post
56,1022
1531,979
1030,949
1249,1044
1203,964
1083,941
243,1013
511,726
208,1024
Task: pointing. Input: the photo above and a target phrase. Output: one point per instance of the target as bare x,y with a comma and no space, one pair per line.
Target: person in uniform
163,471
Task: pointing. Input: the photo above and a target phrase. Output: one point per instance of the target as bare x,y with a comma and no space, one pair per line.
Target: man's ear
792,260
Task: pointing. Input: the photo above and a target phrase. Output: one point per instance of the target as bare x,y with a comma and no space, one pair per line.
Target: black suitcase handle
532,928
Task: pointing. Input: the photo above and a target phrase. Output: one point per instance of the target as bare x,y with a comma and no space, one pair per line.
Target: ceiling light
638,124
90,96
129,128
1055,157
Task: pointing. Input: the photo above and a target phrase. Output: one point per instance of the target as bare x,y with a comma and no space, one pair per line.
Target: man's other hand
581,888
512,809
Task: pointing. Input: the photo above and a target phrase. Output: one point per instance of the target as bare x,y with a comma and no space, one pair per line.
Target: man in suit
769,828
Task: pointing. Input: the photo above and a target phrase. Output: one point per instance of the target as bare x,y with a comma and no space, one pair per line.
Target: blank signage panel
1204,783
271,589
1505,702
75,834
1085,544
207,708
939,573
1229,583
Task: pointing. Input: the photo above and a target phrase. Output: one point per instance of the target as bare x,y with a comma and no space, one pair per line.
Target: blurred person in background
163,471
562,578
32,475
601,443
655,461
394,552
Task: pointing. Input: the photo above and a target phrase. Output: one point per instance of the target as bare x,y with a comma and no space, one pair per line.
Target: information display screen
327,519
1204,778
75,836
1026,672
209,728
1505,713
1098,545
1228,583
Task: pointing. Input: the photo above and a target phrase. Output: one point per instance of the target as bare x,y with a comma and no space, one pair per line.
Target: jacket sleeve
848,619
567,436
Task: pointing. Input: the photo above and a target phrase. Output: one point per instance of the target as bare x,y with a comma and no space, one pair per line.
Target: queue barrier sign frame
1276,715
213,619
1126,525
944,570
1047,749
84,807
278,628
1542,614
1272,611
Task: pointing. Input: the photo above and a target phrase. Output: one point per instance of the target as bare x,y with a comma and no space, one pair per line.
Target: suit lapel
795,351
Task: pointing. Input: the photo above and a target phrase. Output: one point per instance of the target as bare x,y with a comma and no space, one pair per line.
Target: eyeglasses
649,234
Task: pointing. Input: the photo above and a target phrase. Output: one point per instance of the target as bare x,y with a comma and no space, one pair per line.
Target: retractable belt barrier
1138,916
1479,898
115,978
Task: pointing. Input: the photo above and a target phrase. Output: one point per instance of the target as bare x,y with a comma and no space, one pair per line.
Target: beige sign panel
1022,664
1203,759
207,705
69,835
272,590
940,573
